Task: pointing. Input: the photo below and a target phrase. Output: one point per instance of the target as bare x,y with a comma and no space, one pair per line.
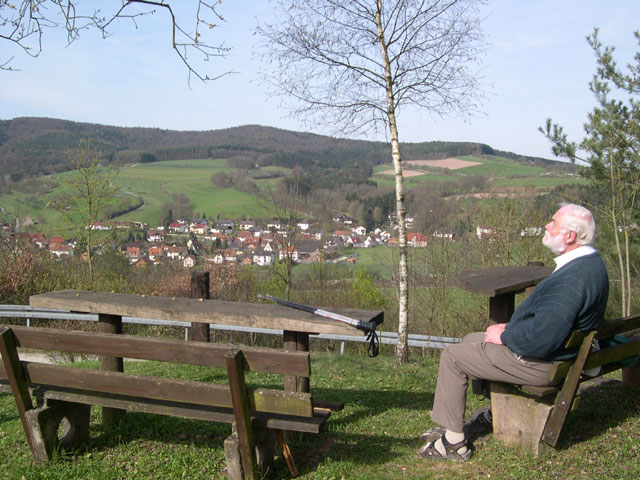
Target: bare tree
353,64
86,191
25,22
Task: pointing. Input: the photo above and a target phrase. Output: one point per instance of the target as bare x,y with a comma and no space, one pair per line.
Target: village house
246,225
155,236
60,250
177,227
295,255
443,235
371,241
263,258
221,228
313,233
155,252
417,239
198,228
354,241
360,231
307,249
343,219
252,243
256,231
189,261
132,253
230,255
243,236
98,226
175,253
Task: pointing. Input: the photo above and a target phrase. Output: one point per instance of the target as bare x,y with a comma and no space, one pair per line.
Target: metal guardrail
388,338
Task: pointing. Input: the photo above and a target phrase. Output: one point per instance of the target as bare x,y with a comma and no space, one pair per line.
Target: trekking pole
369,327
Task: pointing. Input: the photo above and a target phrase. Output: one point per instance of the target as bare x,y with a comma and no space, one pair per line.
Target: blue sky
538,65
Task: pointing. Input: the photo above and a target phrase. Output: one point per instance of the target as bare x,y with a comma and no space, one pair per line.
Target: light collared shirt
565,258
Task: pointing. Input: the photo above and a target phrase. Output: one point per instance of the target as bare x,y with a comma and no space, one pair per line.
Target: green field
155,183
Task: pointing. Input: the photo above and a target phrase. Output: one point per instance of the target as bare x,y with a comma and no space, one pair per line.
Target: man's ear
572,238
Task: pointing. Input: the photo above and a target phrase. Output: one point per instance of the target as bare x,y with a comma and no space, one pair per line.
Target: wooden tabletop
259,315
494,281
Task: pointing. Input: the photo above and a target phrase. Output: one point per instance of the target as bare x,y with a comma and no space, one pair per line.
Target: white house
263,258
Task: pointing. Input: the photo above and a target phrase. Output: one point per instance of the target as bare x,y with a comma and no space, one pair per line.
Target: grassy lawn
375,436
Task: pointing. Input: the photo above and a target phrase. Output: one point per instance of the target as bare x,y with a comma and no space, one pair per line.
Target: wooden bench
532,417
63,392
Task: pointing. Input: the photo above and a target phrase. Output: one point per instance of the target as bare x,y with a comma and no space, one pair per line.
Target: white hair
578,219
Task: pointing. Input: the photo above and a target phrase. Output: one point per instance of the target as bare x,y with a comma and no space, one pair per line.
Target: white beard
555,244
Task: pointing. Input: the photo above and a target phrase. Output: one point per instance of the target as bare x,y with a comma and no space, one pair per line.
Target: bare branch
25,24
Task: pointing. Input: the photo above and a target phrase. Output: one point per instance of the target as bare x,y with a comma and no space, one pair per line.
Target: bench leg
44,424
264,449
518,420
631,376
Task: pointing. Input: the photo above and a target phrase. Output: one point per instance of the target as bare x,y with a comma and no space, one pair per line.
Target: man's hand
492,335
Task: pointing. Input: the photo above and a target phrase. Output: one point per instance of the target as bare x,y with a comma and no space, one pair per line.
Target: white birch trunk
402,348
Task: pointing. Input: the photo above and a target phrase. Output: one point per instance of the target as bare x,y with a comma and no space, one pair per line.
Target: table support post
296,342
111,324
501,307
199,332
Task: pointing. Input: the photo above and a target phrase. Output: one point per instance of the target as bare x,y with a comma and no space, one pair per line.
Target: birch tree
354,64
611,148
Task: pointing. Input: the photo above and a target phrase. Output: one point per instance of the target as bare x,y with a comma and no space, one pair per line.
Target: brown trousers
474,359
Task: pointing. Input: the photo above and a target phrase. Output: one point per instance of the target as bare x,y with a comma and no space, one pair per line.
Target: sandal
451,451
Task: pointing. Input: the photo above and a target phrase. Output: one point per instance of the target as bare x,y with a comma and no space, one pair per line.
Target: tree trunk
402,348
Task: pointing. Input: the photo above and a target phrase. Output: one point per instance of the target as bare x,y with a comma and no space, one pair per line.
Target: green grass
155,183
375,436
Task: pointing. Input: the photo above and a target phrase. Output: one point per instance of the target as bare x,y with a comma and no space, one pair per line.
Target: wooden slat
540,391
609,329
313,424
601,357
166,389
163,350
205,311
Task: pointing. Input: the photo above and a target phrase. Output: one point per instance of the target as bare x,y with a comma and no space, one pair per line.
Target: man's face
555,237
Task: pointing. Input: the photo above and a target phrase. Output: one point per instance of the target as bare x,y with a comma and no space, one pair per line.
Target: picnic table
502,284
295,324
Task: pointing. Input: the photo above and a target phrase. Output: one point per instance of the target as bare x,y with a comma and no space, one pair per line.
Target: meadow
155,183
376,436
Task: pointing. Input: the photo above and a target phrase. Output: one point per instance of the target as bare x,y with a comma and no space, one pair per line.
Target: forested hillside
37,146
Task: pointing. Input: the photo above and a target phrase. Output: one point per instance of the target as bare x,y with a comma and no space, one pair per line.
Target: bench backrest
622,326
163,350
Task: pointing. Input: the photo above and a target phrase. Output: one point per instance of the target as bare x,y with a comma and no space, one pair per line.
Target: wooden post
235,370
18,383
296,342
199,332
111,324
501,307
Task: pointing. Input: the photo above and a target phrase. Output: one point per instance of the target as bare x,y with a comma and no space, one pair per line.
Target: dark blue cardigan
574,296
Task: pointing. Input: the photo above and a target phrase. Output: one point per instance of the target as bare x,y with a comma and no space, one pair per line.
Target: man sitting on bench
520,352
